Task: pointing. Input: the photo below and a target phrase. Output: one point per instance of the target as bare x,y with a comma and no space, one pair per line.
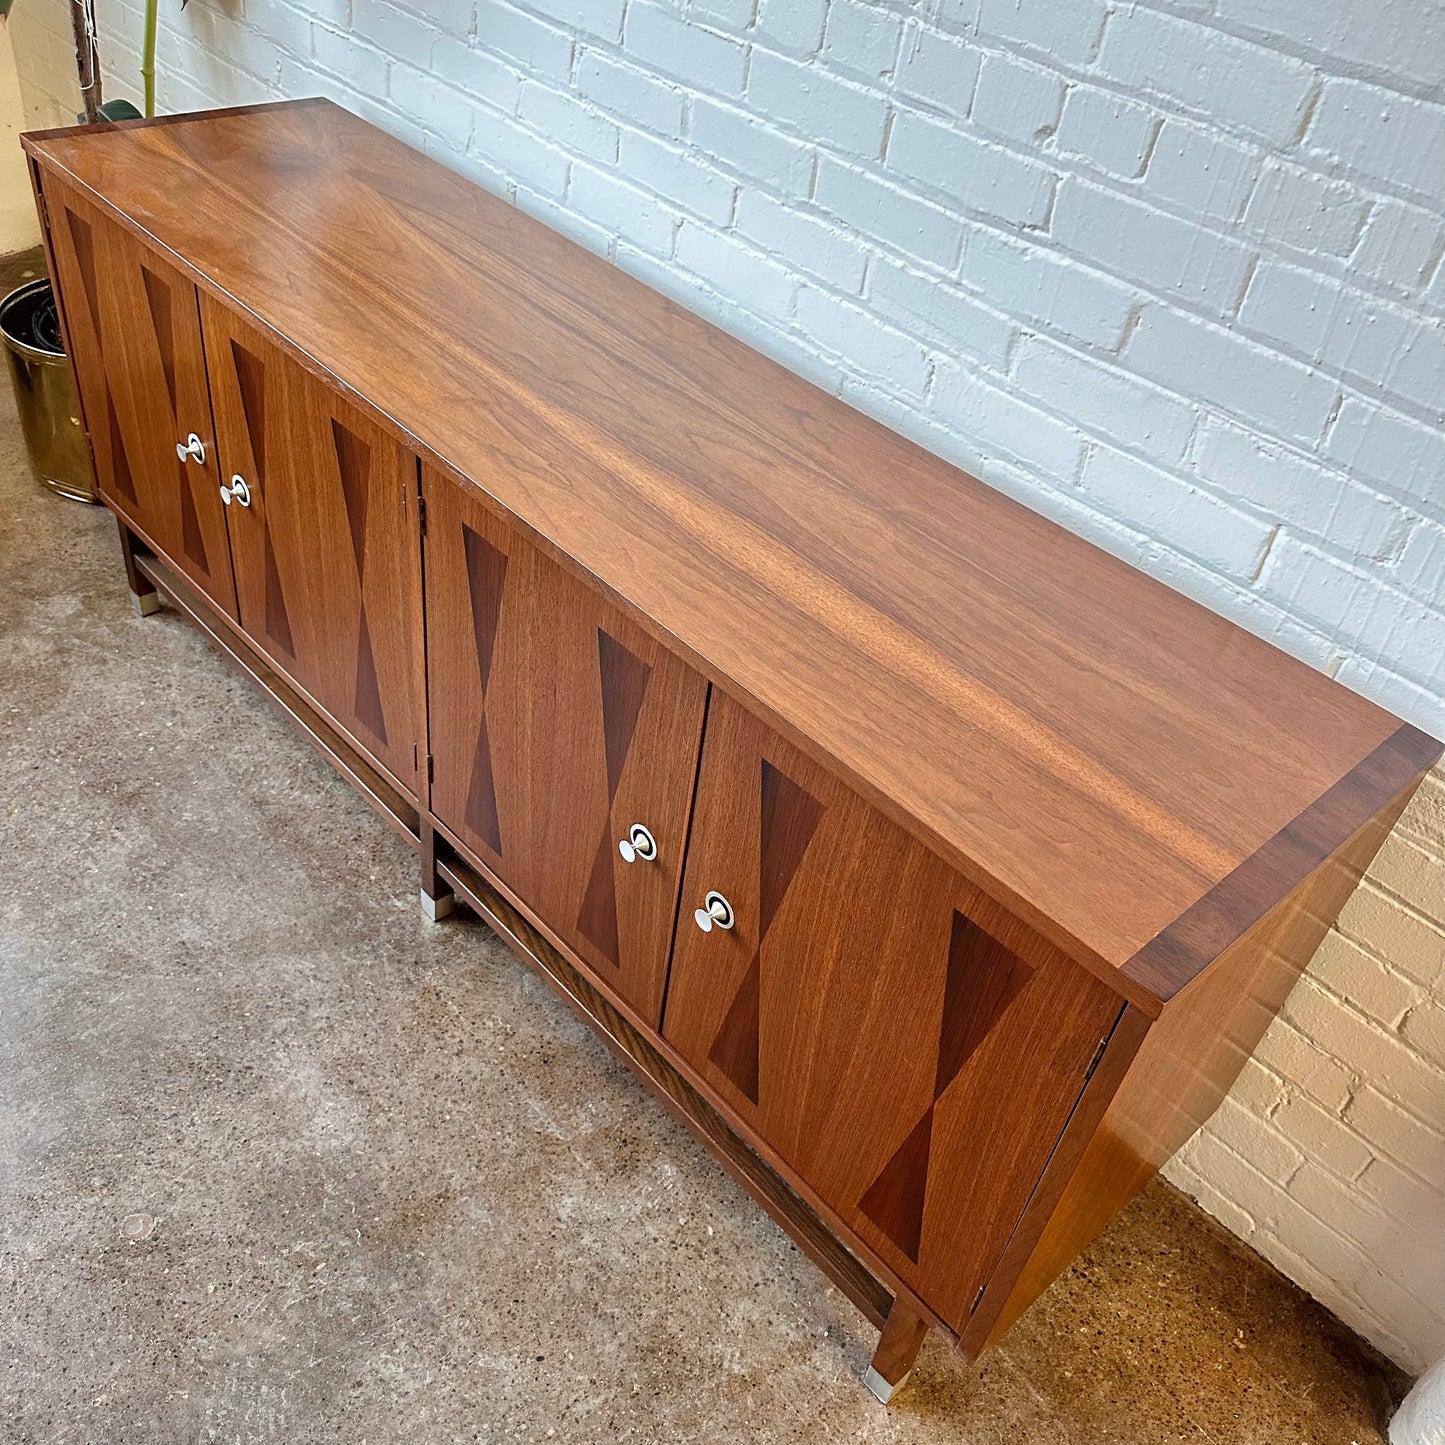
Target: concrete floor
281,1162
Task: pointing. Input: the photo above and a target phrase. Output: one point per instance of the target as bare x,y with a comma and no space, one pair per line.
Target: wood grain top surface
1134,775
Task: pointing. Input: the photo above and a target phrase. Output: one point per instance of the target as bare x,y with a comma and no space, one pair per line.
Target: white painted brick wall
1329,1157
1169,271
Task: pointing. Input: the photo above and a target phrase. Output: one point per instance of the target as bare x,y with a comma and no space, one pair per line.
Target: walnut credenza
939,870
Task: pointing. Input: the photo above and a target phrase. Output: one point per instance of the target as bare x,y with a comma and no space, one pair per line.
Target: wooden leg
143,595
437,900
898,1347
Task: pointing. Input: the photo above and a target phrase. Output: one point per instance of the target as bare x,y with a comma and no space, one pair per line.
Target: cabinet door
911,1051
556,724
135,335
325,539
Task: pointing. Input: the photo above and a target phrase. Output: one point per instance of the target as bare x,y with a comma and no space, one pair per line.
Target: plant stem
87,61
148,56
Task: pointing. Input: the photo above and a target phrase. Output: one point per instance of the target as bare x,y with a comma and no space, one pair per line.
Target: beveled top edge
34,141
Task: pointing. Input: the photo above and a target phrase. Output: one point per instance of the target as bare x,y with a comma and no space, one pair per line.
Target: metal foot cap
146,604
437,908
880,1387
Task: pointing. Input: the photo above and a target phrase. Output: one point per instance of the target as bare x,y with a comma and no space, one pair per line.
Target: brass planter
44,393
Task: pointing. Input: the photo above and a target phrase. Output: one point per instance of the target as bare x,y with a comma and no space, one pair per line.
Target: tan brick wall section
1329,1155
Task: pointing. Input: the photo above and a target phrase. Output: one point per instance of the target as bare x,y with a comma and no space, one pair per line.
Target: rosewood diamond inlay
251,383
353,462
622,677
120,463
158,303
278,620
191,539
83,245
158,299
790,817
486,577
983,979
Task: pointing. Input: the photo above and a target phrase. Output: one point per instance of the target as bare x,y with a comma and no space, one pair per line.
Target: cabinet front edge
996,1309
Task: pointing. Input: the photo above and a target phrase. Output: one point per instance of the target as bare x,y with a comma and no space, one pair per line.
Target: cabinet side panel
1184,1067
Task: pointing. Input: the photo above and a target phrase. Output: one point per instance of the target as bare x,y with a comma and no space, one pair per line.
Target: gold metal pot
44,393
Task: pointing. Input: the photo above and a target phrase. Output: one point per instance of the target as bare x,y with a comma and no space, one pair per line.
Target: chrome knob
238,490
638,843
193,449
715,910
